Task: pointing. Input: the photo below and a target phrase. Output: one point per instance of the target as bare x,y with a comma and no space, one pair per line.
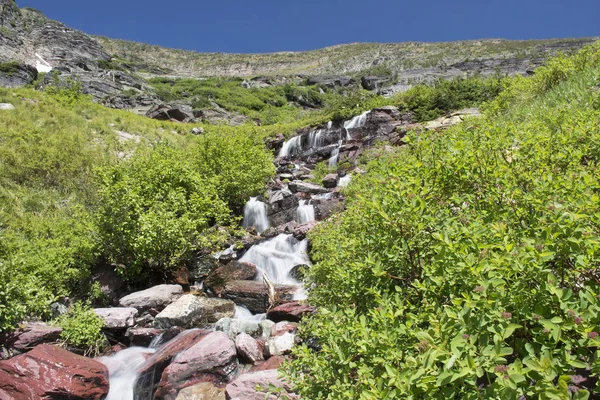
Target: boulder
190,311
117,317
374,82
151,371
234,327
284,327
30,335
165,112
301,231
13,74
298,272
256,386
280,345
6,107
157,297
248,349
202,266
330,81
452,119
143,337
293,311
254,295
201,391
50,372
106,276
212,357
306,187
234,271
330,181
272,363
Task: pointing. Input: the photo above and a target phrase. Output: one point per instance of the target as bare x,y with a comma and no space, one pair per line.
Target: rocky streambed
222,332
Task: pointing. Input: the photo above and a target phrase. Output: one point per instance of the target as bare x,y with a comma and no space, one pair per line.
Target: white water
335,156
291,147
357,122
122,370
244,314
316,139
323,196
305,212
344,181
276,257
255,214
329,125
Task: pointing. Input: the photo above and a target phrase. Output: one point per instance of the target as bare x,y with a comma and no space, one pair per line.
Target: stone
165,112
50,372
330,81
117,317
284,327
108,279
6,106
256,386
143,337
374,82
212,357
306,187
330,181
190,311
151,371
157,297
254,295
272,363
233,271
197,131
30,335
281,345
298,272
452,119
248,349
17,75
301,231
201,391
293,311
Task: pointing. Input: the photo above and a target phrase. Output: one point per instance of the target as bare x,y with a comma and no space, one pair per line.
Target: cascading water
244,314
335,155
345,180
291,147
316,139
323,196
123,371
276,257
255,214
305,212
357,122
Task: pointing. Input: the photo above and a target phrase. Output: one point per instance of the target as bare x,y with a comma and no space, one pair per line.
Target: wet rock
254,295
248,348
152,370
284,327
201,391
301,231
30,335
143,337
256,386
50,372
157,297
298,272
212,357
191,311
234,271
117,317
280,345
330,181
324,209
293,311
202,266
306,187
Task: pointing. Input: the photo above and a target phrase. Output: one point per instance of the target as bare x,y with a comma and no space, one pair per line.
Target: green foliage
111,65
82,328
154,210
9,67
466,264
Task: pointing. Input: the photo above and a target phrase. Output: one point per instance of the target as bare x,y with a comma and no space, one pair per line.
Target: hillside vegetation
467,264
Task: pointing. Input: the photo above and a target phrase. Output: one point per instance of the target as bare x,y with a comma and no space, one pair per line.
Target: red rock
233,271
150,372
212,359
248,348
272,363
255,386
283,327
30,335
301,231
50,372
293,312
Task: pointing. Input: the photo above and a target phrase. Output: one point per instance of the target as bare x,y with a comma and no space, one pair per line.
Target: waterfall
315,139
291,147
357,122
305,212
123,371
276,257
255,214
335,155
323,196
329,126
345,180
244,314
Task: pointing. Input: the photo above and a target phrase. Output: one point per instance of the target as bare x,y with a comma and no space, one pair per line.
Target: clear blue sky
276,25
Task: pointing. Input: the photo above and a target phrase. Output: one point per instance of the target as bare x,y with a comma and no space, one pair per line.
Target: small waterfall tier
305,212
276,257
357,122
255,214
345,180
123,371
291,147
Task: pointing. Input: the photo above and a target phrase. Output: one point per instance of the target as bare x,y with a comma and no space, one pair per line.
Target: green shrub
9,67
466,265
82,329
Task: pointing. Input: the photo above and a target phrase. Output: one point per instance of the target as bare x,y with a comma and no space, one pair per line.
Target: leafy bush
466,265
82,329
154,210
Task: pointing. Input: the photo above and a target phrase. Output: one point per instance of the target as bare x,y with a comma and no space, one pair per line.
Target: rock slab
255,386
117,317
156,297
190,311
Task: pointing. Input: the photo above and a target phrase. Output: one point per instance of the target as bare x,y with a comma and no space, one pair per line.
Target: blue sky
278,25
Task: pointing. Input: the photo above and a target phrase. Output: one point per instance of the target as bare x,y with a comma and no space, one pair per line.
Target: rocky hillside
410,61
